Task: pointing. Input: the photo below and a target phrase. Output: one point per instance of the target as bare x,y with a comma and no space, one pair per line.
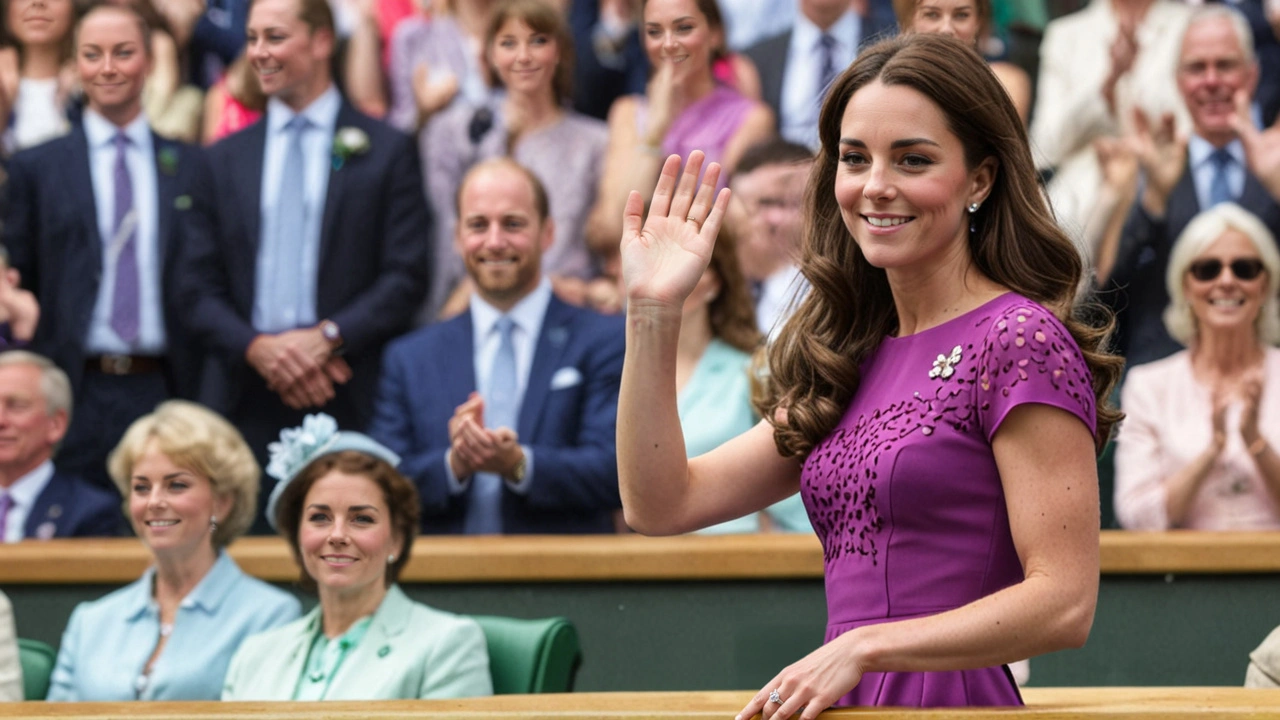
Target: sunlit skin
902,183
957,18
290,59
171,506
500,236
1211,70
1226,303
346,537
526,60
28,433
677,33
113,63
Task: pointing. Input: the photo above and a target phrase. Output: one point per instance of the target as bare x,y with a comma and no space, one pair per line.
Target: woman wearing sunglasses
1198,449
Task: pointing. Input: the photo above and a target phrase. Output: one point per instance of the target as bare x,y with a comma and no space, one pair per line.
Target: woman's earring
391,558
213,524
973,208
973,222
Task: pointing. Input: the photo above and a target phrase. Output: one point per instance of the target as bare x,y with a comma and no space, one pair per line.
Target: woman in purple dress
934,400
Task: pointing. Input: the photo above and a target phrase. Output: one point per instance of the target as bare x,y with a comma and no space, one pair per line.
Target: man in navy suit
37,501
308,249
797,65
92,225
505,416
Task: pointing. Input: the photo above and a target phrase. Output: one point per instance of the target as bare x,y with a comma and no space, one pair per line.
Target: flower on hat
299,446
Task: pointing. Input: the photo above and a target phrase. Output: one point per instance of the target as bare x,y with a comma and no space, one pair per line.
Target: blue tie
1219,188
828,59
501,409
280,286
124,299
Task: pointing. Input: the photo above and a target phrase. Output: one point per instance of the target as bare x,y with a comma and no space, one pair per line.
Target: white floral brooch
944,367
347,143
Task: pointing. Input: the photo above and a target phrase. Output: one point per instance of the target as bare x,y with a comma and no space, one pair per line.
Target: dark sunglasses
1242,268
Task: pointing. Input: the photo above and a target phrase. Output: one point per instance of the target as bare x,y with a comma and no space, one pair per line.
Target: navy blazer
374,255
570,428
1136,290
770,55
71,507
51,231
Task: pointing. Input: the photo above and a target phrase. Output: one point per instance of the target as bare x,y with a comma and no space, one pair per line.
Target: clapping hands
1162,153
475,448
665,254
1261,147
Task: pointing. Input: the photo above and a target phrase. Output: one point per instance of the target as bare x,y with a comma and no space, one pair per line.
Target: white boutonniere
347,143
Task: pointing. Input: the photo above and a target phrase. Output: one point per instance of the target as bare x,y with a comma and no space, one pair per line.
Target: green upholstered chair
37,660
531,656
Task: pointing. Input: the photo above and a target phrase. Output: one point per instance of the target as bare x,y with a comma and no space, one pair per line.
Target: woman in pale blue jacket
350,518
192,487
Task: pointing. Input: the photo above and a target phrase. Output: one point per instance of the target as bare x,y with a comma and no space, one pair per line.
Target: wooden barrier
533,559
1042,704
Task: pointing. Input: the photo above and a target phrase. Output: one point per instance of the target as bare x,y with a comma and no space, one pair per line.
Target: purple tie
6,504
124,301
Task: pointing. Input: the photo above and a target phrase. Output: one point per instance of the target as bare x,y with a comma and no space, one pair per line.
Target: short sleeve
1028,356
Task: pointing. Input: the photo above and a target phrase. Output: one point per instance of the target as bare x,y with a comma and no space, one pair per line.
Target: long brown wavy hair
732,313
815,361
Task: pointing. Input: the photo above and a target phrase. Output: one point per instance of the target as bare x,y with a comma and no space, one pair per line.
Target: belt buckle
117,364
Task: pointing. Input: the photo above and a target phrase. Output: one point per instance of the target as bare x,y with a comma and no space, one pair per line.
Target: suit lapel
552,341
459,357
1183,203
49,512
167,155
337,178
380,658
248,173
81,180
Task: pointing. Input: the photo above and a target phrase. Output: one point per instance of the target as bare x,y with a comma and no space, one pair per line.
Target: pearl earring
973,208
391,558
213,524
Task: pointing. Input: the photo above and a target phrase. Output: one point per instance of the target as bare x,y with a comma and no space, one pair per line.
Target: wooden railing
1042,704
610,558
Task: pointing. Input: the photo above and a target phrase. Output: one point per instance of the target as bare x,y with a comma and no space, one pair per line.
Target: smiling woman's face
1226,301
346,533
677,32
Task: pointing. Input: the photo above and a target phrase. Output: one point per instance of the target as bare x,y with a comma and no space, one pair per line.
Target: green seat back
36,659
530,656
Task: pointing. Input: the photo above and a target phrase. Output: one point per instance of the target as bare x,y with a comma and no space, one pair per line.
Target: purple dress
707,125
905,493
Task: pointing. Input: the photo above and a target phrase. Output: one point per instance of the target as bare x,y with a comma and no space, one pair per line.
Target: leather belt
124,364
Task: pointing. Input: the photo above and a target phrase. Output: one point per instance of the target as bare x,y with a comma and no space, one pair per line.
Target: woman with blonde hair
1198,448
191,488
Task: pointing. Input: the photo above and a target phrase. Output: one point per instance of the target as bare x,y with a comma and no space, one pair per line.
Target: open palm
665,254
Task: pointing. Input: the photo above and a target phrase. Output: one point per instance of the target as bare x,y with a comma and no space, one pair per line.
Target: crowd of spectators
222,216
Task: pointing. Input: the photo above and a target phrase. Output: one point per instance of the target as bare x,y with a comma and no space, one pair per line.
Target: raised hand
1118,162
1251,393
1261,147
665,254
661,99
432,92
1162,153
18,307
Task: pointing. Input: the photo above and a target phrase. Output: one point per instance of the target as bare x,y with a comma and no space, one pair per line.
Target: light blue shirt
750,21
108,641
802,82
271,312
715,407
1199,156
140,158
527,316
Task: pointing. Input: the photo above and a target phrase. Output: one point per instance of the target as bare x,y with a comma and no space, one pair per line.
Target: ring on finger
776,696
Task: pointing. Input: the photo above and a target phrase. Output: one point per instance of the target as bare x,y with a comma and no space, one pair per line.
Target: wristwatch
329,329
517,473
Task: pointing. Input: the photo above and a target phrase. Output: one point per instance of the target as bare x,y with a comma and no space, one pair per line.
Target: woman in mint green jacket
350,519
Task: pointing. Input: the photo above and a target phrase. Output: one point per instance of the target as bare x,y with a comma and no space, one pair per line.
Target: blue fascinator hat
317,436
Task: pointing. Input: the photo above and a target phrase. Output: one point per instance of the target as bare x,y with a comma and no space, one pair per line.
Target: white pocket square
565,377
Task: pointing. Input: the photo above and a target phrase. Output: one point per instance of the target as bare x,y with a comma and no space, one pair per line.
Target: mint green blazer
410,651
